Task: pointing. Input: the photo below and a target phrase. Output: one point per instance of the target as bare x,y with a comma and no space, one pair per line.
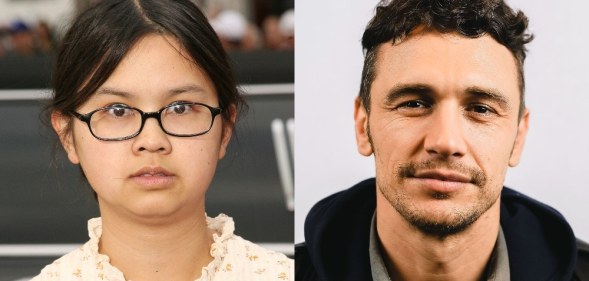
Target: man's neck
413,255
157,252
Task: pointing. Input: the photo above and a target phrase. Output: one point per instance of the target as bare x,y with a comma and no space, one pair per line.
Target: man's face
443,127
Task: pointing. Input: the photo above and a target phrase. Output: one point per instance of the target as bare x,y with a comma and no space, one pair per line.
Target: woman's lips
153,177
152,170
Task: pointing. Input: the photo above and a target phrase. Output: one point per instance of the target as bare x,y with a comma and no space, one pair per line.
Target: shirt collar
497,269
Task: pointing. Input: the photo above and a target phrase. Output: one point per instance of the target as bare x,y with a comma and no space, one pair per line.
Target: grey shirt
497,269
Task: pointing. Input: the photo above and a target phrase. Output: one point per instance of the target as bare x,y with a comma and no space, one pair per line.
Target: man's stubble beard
438,225
441,224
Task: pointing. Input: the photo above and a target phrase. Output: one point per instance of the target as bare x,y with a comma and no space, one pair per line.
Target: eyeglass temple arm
81,117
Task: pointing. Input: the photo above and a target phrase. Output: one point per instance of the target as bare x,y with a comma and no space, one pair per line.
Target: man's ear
59,122
227,130
520,139
361,127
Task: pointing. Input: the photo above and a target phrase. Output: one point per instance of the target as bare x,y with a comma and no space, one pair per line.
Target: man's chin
441,226
439,218
440,214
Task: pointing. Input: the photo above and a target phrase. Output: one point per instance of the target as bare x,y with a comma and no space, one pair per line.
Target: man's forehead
447,61
452,36
428,44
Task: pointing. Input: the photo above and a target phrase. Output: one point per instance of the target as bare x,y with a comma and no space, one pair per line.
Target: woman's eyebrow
193,88
114,92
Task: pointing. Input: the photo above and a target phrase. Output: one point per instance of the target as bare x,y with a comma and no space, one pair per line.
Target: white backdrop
328,67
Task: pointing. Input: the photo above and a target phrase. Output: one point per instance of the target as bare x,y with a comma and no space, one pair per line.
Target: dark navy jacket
540,243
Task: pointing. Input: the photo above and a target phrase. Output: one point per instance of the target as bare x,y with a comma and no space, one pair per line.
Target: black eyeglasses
121,122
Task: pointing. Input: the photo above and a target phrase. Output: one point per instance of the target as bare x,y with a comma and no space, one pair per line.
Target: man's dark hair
396,19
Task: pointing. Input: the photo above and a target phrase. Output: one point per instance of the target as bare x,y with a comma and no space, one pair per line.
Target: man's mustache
476,175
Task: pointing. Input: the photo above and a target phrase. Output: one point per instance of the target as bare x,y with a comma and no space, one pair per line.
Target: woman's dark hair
100,37
396,19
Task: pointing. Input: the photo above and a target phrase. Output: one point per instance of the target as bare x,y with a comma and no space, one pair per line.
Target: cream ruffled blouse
233,259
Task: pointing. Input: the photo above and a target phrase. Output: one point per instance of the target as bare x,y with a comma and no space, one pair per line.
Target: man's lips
442,176
440,181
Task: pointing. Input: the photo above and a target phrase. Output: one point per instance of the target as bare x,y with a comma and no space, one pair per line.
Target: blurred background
29,27
45,203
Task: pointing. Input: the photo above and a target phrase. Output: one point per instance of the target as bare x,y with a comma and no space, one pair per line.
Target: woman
145,101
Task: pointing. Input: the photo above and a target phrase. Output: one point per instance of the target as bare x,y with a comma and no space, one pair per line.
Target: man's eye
481,109
413,104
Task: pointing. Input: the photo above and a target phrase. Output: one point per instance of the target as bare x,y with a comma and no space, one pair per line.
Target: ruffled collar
221,226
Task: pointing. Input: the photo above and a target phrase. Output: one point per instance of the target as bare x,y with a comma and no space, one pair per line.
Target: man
441,108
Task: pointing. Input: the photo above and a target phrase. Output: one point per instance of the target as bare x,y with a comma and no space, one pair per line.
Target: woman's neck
171,251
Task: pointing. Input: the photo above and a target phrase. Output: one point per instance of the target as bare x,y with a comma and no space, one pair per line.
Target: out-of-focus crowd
242,25
24,39
253,24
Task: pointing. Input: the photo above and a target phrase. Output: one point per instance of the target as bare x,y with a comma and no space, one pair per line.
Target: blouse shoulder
240,259
253,262
71,266
83,263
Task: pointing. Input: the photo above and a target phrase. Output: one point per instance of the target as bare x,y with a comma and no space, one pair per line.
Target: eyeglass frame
146,115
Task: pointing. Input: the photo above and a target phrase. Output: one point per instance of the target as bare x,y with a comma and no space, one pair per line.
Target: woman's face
153,175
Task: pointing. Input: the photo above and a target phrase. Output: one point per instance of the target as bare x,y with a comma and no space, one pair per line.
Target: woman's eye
179,108
119,111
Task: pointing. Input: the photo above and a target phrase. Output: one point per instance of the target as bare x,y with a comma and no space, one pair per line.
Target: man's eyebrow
404,90
424,90
489,94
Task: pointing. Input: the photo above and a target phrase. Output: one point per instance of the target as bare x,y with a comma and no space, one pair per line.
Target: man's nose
445,134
